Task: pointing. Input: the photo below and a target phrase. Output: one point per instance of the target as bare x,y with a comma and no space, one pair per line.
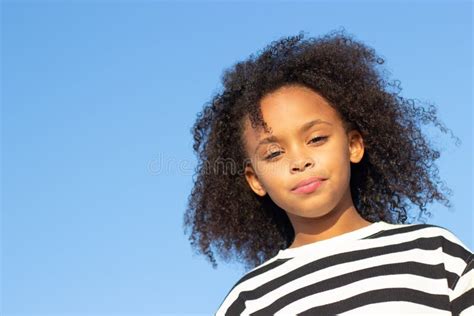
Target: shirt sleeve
462,295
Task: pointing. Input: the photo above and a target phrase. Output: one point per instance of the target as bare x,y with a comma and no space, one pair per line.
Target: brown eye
272,155
317,139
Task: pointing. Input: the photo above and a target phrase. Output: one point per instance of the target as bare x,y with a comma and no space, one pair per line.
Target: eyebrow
303,128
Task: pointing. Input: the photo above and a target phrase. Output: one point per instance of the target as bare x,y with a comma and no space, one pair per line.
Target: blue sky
98,99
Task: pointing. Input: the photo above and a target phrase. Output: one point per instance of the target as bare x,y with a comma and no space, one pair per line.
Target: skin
329,211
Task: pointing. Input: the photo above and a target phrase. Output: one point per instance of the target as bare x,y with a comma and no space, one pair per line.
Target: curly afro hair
226,217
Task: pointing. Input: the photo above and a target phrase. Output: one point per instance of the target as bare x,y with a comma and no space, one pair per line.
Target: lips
307,181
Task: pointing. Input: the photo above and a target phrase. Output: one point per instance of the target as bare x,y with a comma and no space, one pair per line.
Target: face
307,141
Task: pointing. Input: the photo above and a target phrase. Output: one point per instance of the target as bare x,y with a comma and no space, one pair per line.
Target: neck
342,219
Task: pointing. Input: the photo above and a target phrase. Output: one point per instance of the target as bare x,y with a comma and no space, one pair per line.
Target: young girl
308,161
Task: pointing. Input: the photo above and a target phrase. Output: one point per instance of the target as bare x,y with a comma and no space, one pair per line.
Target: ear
356,146
253,180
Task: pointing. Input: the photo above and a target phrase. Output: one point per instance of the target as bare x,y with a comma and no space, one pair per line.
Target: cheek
334,161
272,176
339,165
270,170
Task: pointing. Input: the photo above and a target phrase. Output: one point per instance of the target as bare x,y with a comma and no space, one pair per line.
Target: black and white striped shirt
378,269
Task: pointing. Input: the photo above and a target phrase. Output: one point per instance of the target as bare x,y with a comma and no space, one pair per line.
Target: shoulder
248,282
422,236
452,246
451,237
420,231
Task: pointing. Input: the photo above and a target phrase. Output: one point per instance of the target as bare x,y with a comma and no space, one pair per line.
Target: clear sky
98,98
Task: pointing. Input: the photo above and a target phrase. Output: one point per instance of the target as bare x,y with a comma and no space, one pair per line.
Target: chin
311,213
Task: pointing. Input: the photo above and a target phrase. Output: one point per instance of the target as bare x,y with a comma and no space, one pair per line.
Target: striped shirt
378,269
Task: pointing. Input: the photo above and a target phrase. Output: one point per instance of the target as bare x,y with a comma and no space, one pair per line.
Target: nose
302,164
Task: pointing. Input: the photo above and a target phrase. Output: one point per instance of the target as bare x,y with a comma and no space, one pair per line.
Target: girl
308,161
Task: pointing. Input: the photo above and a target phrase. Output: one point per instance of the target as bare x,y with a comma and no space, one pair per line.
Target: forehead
287,109
293,103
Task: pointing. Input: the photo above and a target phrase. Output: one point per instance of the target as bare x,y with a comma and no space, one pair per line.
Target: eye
272,155
317,139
